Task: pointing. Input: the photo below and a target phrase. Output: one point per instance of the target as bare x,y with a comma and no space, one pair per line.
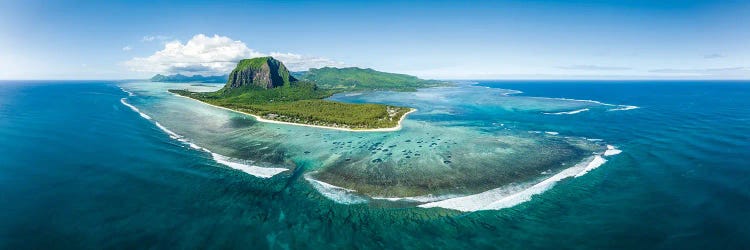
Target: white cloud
154,38
214,55
200,55
126,48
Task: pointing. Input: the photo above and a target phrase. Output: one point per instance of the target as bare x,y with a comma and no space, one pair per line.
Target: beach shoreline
261,119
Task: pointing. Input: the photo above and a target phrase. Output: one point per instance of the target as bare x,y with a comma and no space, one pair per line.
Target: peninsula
264,88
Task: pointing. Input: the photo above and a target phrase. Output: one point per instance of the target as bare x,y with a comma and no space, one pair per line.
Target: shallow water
82,170
452,146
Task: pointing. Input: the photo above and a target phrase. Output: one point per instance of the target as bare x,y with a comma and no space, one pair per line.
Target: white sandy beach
261,119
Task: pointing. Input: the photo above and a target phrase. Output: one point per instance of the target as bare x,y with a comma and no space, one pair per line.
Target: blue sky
435,39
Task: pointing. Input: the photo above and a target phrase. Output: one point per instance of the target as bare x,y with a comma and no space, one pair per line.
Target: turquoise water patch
456,144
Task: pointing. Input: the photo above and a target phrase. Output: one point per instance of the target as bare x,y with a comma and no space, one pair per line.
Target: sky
430,39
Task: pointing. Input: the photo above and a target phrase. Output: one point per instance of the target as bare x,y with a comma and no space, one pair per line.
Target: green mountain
357,79
263,72
184,78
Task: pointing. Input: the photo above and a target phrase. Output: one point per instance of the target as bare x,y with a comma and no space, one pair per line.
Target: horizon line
453,79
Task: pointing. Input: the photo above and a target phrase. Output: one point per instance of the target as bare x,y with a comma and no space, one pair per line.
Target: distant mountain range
268,73
195,78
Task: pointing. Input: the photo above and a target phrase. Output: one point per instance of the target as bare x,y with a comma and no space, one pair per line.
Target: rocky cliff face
263,72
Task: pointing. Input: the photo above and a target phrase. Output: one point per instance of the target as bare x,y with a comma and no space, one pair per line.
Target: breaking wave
617,107
577,100
514,194
623,107
335,193
261,172
129,93
568,112
419,199
122,100
611,150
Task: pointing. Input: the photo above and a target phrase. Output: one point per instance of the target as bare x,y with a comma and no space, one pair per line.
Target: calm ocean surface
80,169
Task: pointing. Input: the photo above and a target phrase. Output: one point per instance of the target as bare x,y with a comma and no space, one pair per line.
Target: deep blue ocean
80,170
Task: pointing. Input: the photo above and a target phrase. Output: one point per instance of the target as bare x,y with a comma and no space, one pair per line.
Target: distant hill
297,74
184,78
268,73
355,79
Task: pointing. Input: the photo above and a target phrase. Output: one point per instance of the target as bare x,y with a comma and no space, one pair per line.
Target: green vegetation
252,94
357,79
264,87
306,111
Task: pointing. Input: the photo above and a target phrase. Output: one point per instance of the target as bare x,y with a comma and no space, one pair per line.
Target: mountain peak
264,72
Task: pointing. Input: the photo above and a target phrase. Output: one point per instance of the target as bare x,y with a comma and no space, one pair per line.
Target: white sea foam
595,163
551,133
512,92
477,201
578,100
129,93
623,107
568,112
122,100
618,107
194,146
250,169
611,150
171,134
421,199
335,193
224,160
515,194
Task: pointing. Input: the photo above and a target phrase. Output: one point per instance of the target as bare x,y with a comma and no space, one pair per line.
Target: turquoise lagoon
455,152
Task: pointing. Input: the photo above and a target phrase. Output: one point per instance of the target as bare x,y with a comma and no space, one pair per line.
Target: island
264,88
